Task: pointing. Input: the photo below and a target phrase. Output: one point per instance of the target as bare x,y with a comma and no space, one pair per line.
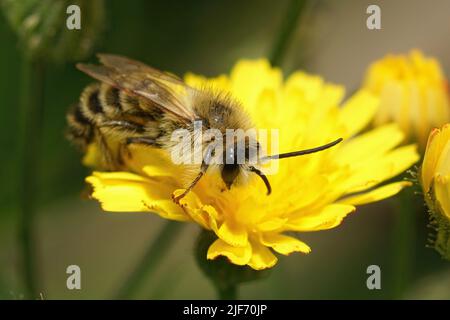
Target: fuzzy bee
136,104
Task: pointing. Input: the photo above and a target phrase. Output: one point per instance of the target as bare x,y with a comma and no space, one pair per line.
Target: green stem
153,255
287,28
228,292
404,242
32,108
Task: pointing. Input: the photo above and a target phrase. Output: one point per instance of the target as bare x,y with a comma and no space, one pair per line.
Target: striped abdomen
105,110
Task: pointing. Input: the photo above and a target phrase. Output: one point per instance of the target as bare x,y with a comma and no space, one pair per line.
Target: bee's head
238,157
231,167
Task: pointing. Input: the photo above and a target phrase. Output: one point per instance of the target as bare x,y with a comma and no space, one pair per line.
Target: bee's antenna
302,152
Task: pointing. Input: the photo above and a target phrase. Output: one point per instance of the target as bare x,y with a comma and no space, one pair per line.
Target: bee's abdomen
91,107
102,102
109,98
80,129
104,106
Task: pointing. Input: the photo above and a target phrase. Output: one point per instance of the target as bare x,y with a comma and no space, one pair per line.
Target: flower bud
413,93
43,32
435,180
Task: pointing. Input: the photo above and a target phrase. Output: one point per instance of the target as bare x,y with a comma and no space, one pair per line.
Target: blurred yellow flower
435,179
413,92
310,193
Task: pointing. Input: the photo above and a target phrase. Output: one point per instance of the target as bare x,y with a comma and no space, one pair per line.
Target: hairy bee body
105,113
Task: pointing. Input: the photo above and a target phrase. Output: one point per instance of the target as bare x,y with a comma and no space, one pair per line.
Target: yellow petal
442,191
237,255
204,215
93,158
262,258
314,89
262,114
152,162
233,234
368,145
211,215
443,165
358,111
200,82
376,194
250,78
284,244
127,192
327,218
387,166
271,224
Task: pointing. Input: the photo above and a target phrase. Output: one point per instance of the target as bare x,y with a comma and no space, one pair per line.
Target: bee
134,103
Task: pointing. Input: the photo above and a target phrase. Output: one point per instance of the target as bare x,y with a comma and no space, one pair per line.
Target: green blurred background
207,37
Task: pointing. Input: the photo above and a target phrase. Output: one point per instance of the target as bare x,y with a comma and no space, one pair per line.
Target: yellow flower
310,193
413,92
435,180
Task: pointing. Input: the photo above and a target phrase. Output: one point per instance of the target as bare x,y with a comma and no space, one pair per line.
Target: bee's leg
123,125
120,125
263,177
203,168
148,141
193,183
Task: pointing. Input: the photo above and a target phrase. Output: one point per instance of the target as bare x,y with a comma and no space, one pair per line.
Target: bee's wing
166,91
126,64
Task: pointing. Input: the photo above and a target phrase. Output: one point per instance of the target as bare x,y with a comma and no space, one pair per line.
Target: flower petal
262,257
127,192
200,82
271,224
376,170
443,165
442,190
366,146
237,255
250,78
326,218
204,215
152,162
284,244
233,234
376,194
92,158
358,111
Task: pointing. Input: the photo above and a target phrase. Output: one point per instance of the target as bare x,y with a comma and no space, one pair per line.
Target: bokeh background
207,37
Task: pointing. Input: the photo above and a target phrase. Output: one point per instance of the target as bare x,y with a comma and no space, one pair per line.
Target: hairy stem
32,108
149,261
404,242
229,292
287,28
